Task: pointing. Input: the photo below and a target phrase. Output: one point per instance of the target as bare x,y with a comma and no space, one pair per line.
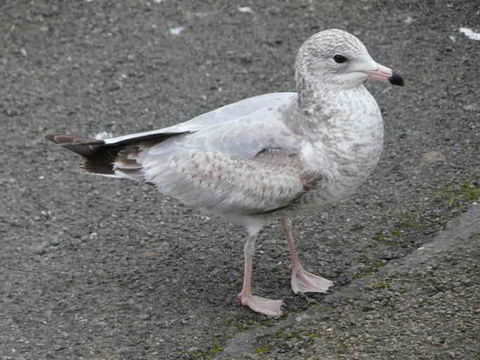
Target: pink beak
385,74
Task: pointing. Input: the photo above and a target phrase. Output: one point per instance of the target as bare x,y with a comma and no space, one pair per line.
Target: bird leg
302,281
256,303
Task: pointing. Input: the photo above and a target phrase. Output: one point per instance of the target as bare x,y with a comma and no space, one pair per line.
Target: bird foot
262,305
303,282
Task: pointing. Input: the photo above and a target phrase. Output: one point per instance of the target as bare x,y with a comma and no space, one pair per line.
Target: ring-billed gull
267,157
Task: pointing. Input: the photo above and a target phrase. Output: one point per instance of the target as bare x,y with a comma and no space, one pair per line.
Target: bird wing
222,115
225,184
246,163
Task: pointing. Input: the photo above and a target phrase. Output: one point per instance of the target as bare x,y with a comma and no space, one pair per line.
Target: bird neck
320,105
313,91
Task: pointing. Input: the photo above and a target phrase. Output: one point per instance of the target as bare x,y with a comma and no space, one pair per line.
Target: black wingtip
396,79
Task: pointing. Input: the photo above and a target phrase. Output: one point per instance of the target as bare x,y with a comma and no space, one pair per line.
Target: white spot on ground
470,33
157,1
433,157
245,9
176,30
103,135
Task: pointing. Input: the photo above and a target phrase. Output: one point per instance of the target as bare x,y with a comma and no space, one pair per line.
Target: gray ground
92,268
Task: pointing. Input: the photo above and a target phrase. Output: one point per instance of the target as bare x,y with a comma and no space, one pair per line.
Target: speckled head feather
333,41
316,56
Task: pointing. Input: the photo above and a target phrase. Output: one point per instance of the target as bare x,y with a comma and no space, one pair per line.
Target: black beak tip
396,79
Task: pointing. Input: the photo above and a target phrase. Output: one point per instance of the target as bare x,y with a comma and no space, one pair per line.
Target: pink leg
302,281
256,303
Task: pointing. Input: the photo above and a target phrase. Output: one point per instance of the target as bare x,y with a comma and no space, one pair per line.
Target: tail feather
113,157
98,158
79,144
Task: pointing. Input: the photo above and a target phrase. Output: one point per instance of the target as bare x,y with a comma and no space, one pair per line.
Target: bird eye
340,58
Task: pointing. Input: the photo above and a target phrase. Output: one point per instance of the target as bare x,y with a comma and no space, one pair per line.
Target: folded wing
240,158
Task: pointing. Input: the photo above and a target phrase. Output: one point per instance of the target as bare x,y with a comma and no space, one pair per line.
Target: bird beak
385,74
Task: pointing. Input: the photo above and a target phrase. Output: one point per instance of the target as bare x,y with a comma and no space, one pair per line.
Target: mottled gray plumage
270,156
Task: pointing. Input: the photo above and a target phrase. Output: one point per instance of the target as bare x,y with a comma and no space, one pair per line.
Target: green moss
240,327
331,339
242,324
395,232
342,346
382,237
370,268
373,267
379,236
216,349
409,221
466,192
207,354
297,335
263,350
413,220
405,222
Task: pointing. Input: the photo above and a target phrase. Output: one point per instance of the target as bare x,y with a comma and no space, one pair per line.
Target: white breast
348,145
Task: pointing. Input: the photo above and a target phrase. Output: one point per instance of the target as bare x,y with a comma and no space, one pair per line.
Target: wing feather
223,184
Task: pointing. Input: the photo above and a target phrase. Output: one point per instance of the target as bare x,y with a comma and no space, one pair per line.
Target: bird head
339,58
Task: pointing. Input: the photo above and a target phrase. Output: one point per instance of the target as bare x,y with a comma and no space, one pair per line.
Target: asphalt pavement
96,268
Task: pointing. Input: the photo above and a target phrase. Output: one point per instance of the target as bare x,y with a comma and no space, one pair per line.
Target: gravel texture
92,268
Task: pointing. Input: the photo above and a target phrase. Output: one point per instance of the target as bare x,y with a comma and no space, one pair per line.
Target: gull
267,157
